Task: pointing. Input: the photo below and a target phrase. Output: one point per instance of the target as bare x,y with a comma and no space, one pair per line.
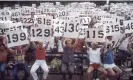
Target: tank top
40,54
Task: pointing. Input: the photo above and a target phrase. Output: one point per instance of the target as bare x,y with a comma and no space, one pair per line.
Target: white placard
40,33
27,20
16,13
72,28
44,20
82,31
85,20
112,29
129,26
59,26
10,27
17,38
95,35
5,15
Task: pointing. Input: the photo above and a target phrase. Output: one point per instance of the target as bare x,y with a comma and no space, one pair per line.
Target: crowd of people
69,46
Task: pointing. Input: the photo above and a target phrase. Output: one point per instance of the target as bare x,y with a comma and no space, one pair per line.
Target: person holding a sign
19,56
68,57
40,61
95,59
3,60
130,49
108,60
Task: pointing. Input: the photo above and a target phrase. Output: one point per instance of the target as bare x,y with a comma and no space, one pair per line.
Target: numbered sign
10,27
85,20
72,28
59,26
27,10
129,26
82,31
44,20
5,15
107,20
16,13
95,35
112,29
40,33
27,20
17,38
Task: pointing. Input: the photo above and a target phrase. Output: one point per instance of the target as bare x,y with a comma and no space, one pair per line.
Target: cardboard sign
128,26
16,13
10,27
95,35
59,27
40,33
27,20
82,31
17,38
112,29
44,20
85,20
72,28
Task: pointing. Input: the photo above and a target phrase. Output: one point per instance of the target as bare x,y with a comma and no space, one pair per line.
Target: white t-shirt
94,56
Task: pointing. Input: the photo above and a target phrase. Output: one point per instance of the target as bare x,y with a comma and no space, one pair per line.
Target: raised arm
86,45
46,46
62,42
76,41
11,51
26,48
103,47
130,45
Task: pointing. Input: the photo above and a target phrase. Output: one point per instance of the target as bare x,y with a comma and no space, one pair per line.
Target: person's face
69,43
2,47
94,45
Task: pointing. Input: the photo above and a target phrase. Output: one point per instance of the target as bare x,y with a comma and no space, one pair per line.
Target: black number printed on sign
95,34
129,26
71,27
112,28
16,37
40,32
44,21
27,20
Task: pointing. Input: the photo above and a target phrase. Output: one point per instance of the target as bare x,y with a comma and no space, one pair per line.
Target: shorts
106,66
95,66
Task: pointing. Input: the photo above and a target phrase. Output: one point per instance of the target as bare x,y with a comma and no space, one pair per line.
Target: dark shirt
68,56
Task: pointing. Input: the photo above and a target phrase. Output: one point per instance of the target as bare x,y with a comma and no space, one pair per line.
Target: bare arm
103,47
26,48
46,46
62,40
76,42
86,45
11,51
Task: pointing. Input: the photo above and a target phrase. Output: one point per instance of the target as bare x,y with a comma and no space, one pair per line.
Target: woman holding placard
3,60
113,71
40,61
68,58
95,59
20,64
